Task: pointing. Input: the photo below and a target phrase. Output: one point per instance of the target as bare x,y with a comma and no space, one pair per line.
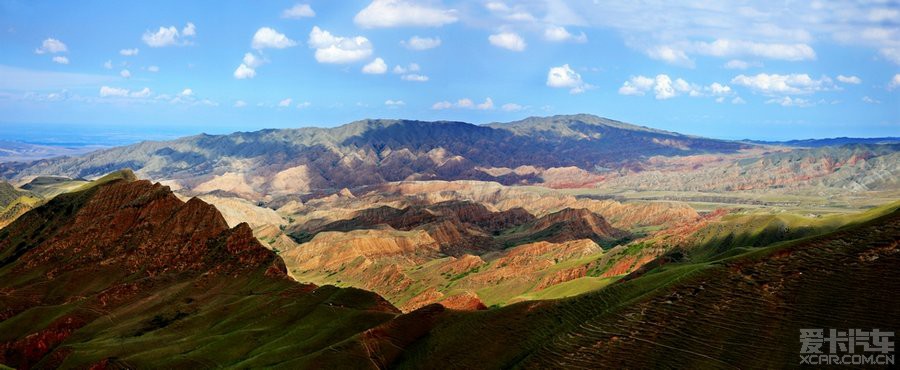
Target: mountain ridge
368,152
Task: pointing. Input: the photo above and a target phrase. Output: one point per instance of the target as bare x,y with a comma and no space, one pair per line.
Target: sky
769,70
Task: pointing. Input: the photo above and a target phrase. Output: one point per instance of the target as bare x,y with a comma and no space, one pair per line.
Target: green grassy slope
125,275
742,311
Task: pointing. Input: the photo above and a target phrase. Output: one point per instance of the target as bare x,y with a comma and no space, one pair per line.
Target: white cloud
394,103
738,100
240,104
421,43
252,61
153,69
559,34
400,13
565,77
487,105
414,77
51,46
169,36
143,93
247,68
442,105
304,104
268,38
189,30
664,87
508,40
285,103
895,82
788,101
106,91
243,72
740,64
792,84
375,67
670,55
779,51
108,64
412,67
511,107
187,92
337,49
637,85
464,103
129,52
518,13
298,11
849,79
125,73
61,60
870,100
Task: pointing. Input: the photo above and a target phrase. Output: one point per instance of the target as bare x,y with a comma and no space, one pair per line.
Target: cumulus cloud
143,93
517,13
565,77
560,34
117,92
637,85
738,100
442,105
464,103
125,73
403,13
869,100
788,101
670,55
853,80
240,104
412,67
791,84
169,36
129,52
895,82
414,77
244,72
421,43
375,67
337,49
108,64
51,46
511,107
268,38
60,59
285,103
394,103
187,92
247,68
664,87
740,64
298,11
508,40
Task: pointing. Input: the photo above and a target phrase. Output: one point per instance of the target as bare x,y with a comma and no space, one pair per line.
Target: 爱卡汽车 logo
846,347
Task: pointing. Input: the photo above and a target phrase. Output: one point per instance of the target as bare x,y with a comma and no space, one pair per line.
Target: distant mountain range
367,152
816,143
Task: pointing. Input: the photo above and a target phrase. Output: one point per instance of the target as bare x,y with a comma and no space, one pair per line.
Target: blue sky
746,69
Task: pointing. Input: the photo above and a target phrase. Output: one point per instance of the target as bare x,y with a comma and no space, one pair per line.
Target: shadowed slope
124,274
